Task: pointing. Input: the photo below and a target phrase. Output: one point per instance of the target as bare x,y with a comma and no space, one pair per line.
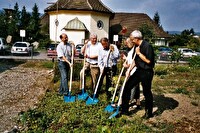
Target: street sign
22,33
115,38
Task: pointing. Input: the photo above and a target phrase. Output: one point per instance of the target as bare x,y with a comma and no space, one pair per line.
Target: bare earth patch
184,116
20,89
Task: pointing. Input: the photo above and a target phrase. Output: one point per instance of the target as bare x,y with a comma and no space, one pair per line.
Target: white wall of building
88,18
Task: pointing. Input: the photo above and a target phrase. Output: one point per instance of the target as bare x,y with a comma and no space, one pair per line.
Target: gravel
20,89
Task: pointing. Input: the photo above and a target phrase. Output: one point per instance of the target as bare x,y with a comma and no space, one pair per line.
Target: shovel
94,100
121,93
70,98
110,108
83,95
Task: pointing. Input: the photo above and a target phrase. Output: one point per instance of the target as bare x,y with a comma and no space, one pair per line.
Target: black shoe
138,107
122,113
127,113
147,115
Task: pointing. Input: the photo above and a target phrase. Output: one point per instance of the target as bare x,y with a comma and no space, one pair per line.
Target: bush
181,68
161,70
194,61
76,71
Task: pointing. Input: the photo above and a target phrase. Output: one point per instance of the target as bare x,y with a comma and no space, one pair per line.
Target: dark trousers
108,73
114,70
145,77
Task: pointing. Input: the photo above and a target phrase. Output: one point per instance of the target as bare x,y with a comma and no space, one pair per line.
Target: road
42,55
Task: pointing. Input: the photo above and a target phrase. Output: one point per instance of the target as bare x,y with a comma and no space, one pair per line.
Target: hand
87,56
111,48
72,43
86,41
101,70
127,73
70,64
125,65
123,56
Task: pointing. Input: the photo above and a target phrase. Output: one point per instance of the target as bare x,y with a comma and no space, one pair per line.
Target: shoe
147,115
59,94
127,113
138,107
65,94
122,113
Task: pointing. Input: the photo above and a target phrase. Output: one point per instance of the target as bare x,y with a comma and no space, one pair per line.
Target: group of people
101,59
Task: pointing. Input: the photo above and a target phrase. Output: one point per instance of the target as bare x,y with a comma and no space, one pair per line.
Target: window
100,24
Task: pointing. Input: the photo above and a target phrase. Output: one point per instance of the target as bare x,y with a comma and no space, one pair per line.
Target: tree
34,25
25,18
156,19
186,39
147,32
3,33
13,25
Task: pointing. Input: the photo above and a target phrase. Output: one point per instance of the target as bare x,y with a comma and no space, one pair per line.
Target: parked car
78,51
4,47
186,52
164,53
51,50
22,48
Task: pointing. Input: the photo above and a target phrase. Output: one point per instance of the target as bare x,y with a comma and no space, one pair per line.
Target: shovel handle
97,85
122,89
71,68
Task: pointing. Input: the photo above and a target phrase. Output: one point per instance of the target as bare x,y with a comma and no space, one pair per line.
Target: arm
100,60
142,56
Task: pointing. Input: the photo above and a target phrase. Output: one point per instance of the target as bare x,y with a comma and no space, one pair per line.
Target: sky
175,15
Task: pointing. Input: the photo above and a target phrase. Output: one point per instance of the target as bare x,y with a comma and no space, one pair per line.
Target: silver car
21,48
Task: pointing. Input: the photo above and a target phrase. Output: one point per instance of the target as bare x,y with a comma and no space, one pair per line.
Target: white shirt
130,61
92,50
104,60
64,50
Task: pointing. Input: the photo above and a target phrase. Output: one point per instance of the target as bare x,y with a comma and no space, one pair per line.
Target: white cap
136,34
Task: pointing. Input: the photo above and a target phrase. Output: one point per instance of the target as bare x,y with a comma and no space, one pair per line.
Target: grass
54,115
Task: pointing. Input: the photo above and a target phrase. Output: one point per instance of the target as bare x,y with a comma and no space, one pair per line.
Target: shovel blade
109,108
114,114
69,98
83,96
92,101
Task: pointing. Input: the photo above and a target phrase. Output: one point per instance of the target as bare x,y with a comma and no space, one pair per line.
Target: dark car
164,53
51,50
78,51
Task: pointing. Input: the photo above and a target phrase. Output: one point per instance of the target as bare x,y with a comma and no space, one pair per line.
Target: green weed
181,90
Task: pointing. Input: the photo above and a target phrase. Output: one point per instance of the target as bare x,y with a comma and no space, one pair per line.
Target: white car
186,52
21,48
3,46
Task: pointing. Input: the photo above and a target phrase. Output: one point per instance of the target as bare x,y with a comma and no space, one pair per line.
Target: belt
93,63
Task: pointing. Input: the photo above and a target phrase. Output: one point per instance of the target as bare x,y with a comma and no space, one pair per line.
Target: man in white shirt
105,61
64,52
92,50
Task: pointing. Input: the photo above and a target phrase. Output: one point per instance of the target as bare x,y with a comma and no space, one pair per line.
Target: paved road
42,55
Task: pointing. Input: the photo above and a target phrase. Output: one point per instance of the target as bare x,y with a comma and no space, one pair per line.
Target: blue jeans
64,69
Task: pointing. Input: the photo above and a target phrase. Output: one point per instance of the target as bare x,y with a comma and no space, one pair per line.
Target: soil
22,88
177,110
